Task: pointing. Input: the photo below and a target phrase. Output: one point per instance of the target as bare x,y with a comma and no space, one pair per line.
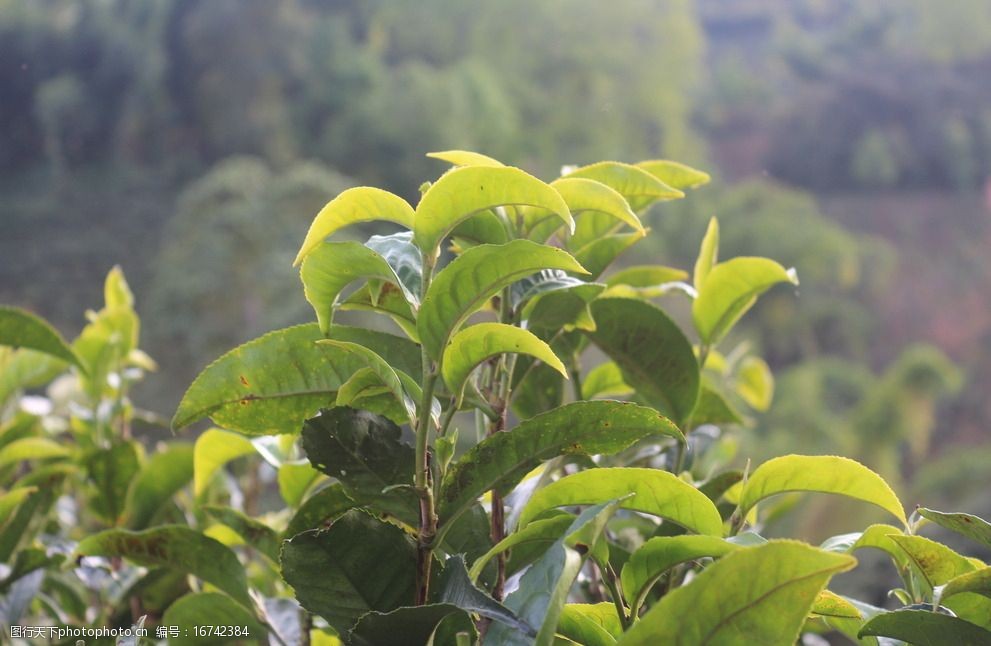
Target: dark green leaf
358,565
457,589
320,509
111,471
165,473
655,357
22,329
925,628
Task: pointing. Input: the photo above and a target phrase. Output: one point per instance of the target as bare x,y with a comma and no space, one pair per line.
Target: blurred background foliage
192,141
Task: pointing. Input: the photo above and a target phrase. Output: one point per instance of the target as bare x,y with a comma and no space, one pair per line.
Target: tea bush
539,453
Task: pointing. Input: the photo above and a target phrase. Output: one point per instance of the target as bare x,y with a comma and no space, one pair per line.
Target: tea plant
473,477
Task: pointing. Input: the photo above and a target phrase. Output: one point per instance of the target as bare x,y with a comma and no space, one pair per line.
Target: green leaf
978,581
655,357
165,473
389,301
465,158
543,589
111,470
116,292
925,628
11,500
876,536
605,380
538,534
213,449
565,308
464,191
405,259
22,329
26,369
937,563
637,185
361,204
778,583
319,509
730,289
712,408
357,565
485,227
582,195
647,277
477,343
406,625
540,389
598,254
272,384
675,174
176,547
822,474
387,375
207,609
755,383
972,527
657,492
254,532
364,452
708,254
587,428
332,266
473,278
457,589
32,448
590,624
295,479
655,557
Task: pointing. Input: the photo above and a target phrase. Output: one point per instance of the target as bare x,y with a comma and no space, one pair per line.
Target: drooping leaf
822,474
657,492
708,254
583,194
254,532
477,343
320,509
467,190
272,384
590,624
499,462
465,158
205,609
177,547
160,478
357,565
755,383
22,329
213,449
729,289
779,582
655,557
360,204
473,278
637,185
675,174
332,266
925,628
543,589
364,452
538,535
972,527
655,357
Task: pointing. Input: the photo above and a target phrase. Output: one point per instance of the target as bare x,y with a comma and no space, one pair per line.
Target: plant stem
428,516
610,579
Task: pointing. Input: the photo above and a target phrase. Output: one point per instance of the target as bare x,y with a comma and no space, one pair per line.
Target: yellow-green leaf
360,204
657,492
638,186
473,345
755,383
582,194
467,190
213,449
822,474
675,174
465,158
708,253
759,595
473,278
730,289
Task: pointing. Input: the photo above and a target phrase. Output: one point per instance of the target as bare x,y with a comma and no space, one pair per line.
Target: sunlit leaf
467,190
213,449
590,624
675,174
473,278
465,158
640,187
755,383
778,583
657,492
822,474
708,254
605,380
360,204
